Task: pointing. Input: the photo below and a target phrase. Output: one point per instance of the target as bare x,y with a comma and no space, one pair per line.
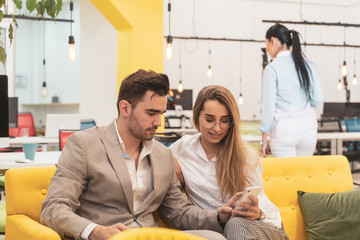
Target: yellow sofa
26,188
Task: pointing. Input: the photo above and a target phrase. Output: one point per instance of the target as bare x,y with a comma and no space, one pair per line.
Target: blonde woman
215,163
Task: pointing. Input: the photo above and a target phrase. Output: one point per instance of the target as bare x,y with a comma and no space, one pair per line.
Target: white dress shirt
200,177
141,179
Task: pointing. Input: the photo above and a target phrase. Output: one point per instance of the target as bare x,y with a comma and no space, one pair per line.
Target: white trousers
300,144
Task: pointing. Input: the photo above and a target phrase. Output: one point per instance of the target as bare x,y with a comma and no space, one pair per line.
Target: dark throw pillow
331,216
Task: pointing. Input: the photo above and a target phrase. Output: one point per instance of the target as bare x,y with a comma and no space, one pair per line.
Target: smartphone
254,191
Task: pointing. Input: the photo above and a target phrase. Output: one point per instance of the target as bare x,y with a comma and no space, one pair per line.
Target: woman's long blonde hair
231,156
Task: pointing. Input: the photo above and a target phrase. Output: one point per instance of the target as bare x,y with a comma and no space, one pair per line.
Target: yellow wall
140,33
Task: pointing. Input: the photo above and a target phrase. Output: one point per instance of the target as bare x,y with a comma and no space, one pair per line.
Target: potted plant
51,7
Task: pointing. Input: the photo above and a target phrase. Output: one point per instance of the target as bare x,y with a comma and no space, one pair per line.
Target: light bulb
355,81
180,87
168,52
241,99
344,69
44,90
171,93
209,71
72,56
339,85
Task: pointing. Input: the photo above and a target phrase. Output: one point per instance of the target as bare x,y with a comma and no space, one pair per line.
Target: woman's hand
253,211
264,144
265,149
179,174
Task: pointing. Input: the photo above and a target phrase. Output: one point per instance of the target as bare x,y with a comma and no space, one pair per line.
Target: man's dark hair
134,86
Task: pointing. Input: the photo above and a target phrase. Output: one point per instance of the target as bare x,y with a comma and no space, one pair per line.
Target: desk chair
64,134
25,120
167,138
89,123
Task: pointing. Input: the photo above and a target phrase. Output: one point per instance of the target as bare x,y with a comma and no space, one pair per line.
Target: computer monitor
13,112
184,99
4,112
54,122
333,109
341,109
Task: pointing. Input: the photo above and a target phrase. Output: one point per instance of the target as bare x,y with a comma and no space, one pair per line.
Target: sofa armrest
23,227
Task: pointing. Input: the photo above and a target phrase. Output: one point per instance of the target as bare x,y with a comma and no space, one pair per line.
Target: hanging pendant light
168,52
72,56
180,87
344,70
44,91
354,81
209,70
169,39
241,99
339,85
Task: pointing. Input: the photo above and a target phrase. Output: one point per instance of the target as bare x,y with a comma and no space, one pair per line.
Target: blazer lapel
116,157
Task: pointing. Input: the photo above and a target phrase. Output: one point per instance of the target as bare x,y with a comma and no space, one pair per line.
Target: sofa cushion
331,215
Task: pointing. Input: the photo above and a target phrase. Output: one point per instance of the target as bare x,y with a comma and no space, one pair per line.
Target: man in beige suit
112,178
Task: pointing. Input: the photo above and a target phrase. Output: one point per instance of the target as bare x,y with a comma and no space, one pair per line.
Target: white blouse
200,177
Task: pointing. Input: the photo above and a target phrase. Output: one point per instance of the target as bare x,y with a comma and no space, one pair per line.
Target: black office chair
167,138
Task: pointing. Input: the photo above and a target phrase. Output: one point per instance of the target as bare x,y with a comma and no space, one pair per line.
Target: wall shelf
39,110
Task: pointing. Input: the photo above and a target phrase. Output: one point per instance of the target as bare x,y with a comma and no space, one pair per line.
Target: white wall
243,19
91,80
98,66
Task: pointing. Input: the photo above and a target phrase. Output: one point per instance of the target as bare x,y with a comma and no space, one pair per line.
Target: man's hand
253,211
225,211
105,232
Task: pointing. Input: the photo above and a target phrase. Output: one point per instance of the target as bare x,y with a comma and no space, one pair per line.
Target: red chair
25,120
64,134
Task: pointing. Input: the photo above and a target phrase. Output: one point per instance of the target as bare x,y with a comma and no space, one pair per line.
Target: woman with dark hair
215,164
291,91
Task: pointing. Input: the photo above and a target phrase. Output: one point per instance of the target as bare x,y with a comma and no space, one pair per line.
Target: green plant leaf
59,5
14,21
1,15
40,8
2,55
18,3
2,3
11,33
50,7
31,5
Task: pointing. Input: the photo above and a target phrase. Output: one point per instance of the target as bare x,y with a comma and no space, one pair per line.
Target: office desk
337,138
45,141
42,159
182,131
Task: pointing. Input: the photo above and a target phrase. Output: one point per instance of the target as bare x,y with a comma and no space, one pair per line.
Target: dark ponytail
284,35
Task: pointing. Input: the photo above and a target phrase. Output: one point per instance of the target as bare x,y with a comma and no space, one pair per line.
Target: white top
200,177
141,179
